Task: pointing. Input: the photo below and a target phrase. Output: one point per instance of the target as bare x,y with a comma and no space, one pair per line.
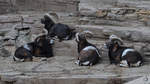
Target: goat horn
53,16
45,33
77,36
87,32
115,38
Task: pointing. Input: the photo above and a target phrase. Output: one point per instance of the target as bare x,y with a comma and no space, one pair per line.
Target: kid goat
88,53
122,55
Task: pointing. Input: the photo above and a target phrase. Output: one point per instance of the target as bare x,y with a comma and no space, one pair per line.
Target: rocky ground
131,23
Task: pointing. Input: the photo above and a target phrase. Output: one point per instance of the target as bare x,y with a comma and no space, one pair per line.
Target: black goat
62,31
88,53
122,55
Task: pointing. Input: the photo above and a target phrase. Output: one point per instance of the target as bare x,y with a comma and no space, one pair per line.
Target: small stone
101,13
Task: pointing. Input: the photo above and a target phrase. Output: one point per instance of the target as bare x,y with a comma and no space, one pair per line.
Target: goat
62,31
122,55
41,47
88,53
24,53
112,39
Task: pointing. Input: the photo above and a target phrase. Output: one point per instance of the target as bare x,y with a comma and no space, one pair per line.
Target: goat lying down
24,53
55,29
62,32
88,53
41,47
122,55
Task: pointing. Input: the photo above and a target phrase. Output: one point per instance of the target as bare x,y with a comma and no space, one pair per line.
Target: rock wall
7,6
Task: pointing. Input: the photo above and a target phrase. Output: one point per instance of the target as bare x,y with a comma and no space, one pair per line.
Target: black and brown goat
88,53
24,53
41,47
122,55
55,29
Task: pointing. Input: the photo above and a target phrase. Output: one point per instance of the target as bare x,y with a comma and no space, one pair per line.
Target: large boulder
19,35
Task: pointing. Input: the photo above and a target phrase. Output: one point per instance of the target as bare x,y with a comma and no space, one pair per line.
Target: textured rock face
19,35
7,6
3,51
128,19
115,13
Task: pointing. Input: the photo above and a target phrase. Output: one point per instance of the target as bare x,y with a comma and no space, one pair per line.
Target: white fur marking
98,53
89,48
92,48
86,63
123,63
126,51
51,41
77,37
136,64
26,47
17,59
50,16
77,62
66,38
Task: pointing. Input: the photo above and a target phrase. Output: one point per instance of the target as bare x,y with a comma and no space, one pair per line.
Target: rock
4,52
87,12
19,35
133,16
101,13
84,20
24,34
11,34
107,32
141,80
9,76
136,36
112,16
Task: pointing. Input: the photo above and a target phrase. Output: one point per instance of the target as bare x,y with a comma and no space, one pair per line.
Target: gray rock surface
128,19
